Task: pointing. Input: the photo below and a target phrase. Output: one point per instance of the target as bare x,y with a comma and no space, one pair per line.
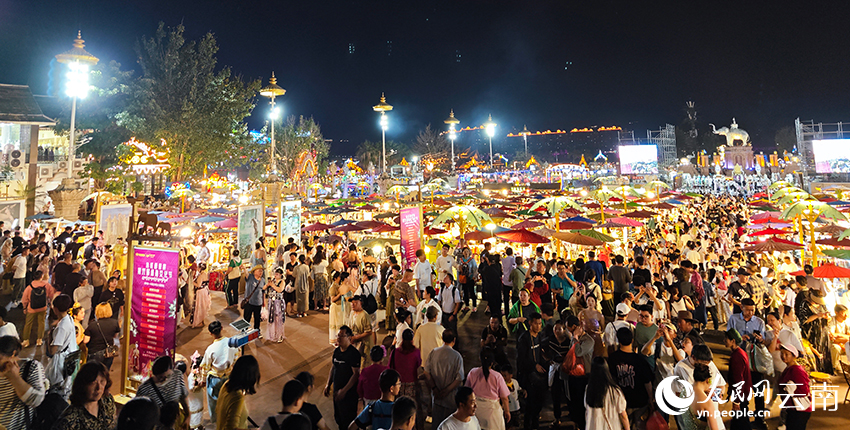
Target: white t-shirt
422,273
685,370
610,335
452,423
8,329
608,416
444,266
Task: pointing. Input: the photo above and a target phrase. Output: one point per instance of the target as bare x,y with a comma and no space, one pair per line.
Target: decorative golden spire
77,53
452,119
382,106
272,89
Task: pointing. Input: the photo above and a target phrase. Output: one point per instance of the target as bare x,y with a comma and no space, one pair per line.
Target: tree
430,142
295,136
180,98
371,152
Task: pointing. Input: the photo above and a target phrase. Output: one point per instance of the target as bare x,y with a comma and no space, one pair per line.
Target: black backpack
48,411
38,297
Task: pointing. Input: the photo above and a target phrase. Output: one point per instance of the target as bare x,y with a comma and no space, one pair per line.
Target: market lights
383,107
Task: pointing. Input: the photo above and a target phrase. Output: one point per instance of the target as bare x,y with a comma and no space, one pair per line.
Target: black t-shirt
344,364
313,413
501,336
72,281
740,292
290,279
643,273
115,300
97,341
60,274
631,372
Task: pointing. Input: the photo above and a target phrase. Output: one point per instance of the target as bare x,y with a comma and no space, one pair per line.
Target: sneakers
25,344
38,343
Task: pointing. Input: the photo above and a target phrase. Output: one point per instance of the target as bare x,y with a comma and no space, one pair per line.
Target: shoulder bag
111,350
245,300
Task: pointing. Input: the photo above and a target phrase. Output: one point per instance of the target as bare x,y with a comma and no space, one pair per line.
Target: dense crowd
592,332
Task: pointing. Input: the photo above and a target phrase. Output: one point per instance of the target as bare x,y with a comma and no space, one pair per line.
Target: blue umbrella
220,211
581,219
205,219
40,216
341,222
674,202
498,229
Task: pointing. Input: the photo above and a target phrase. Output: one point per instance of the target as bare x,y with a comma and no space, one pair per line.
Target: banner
250,230
290,221
115,221
411,234
12,212
153,304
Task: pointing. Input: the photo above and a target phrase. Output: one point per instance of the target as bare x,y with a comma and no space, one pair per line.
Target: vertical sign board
251,227
153,307
411,234
290,221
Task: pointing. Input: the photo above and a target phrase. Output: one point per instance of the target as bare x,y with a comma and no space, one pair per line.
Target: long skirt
335,321
202,307
277,316
490,414
320,287
302,300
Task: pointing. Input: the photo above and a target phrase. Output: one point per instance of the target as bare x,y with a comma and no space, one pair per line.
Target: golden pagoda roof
383,106
77,53
272,89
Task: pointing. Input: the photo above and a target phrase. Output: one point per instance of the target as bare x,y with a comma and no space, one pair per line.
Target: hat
815,298
623,309
259,266
687,316
743,272
790,348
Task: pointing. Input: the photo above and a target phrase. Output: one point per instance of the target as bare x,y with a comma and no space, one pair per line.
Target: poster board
153,307
290,221
410,219
250,229
13,213
115,221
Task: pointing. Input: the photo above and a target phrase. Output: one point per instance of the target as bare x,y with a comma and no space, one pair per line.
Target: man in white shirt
422,272
19,278
203,253
218,360
428,336
426,303
450,302
464,418
444,263
610,335
7,328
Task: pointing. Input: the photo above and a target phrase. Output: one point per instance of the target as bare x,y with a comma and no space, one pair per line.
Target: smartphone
715,397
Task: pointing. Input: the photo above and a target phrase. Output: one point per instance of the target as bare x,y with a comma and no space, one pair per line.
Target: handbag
111,350
573,364
656,422
69,365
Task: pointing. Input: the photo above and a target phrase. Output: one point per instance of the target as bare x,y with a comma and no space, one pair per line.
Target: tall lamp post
78,61
452,122
525,134
383,108
490,126
271,91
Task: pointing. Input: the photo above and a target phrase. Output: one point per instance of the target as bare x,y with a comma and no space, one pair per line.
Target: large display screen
638,159
832,155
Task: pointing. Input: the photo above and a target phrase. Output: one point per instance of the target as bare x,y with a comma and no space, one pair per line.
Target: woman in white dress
604,402
337,293
202,296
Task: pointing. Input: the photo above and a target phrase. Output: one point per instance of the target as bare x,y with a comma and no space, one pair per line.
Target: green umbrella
595,234
779,184
812,209
464,215
787,190
843,254
794,197
554,205
377,241
844,234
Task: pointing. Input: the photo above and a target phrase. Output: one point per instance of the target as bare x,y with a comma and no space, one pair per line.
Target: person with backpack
292,398
36,297
23,386
379,414
467,274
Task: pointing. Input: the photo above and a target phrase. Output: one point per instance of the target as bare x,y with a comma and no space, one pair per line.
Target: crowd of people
593,333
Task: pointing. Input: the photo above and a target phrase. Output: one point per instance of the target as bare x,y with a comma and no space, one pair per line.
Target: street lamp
383,108
452,122
78,61
271,91
490,126
525,134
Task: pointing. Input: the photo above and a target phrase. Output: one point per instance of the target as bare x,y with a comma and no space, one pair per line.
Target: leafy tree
293,137
370,152
431,142
180,97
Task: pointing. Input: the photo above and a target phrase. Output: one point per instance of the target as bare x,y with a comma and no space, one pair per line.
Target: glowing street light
271,91
383,107
525,134
490,126
452,122
78,61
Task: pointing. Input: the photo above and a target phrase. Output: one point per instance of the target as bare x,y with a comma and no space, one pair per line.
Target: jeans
18,285
558,395
214,384
38,317
231,291
252,310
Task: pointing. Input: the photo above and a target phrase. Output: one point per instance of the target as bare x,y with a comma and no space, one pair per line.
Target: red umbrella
830,271
577,238
432,231
574,225
662,205
496,213
228,223
768,219
385,228
441,202
640,214
477,236
349,227
521,236
834,242
317,227
367,207
526,225
769,231
627,222
773,244
766,215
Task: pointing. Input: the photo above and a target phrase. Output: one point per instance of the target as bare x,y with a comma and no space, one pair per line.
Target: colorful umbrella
640,214
526,225
477,236
625,222
843,254
576,238
228,223
769,231
831,271
772,245
206,219
834,242
430,231
521,236
574,225
385,228
371,224
348,227
581,219
317,227
596,235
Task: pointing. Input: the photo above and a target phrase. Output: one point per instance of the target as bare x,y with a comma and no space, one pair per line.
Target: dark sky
636,63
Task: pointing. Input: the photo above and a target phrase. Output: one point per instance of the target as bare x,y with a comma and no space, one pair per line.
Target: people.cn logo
670,402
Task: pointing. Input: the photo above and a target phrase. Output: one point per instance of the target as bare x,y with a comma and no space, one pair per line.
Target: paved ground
307,348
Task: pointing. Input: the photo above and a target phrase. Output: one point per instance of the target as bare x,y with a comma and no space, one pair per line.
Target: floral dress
277,310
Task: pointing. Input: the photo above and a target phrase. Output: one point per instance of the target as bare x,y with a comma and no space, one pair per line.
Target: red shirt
739,370
368,386
797,375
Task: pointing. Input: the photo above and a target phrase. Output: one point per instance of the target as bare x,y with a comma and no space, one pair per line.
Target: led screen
638,159
832,155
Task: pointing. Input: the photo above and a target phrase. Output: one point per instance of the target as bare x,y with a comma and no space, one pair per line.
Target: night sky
633,64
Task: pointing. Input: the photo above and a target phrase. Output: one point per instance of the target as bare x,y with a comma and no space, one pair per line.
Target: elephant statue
732,134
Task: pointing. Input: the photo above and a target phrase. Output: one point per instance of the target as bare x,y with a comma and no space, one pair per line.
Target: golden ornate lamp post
490,126
525,134
78,61
271,91
383,108
452,122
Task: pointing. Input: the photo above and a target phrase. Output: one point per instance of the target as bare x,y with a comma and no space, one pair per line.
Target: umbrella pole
814,245
558,229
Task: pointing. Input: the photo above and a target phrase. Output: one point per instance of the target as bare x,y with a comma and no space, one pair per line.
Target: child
515,392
